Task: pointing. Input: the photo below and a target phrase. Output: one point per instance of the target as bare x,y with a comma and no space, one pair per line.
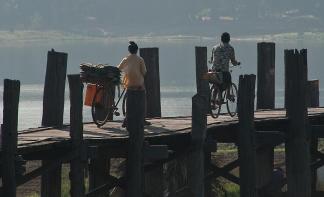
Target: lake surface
27,62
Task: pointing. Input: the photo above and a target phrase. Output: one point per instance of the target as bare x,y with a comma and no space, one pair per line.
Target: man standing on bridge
134,70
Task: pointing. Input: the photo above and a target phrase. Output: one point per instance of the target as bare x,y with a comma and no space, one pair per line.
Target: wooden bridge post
53,109
199,125
297,143
312,93
265,100
152,82
246,136
9,136
134,164
76,134
99,170
312,100
53,98
266,76
153,108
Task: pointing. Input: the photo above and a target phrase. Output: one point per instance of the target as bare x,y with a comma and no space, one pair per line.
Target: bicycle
103,106
220,96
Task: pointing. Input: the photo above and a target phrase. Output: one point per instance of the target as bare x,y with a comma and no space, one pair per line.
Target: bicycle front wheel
102,107
215,101
231,99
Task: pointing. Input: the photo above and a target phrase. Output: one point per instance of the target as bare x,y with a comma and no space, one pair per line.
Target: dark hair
132,47
225,37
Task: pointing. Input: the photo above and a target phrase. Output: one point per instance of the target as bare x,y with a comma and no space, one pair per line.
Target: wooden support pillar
312,93
54,87
265,100
152,82
76,134
246,136
154,182
9,136
53,109
135,127
266,76
312,99
297,143
199,125
99,170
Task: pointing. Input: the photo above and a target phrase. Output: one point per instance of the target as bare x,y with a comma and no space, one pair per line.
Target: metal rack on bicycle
102,81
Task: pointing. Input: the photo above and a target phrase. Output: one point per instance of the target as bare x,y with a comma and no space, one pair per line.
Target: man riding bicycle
222,55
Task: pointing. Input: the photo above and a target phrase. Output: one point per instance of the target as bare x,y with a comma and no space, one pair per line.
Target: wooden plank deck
162,129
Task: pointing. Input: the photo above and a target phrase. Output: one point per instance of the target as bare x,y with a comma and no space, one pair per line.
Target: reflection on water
177,70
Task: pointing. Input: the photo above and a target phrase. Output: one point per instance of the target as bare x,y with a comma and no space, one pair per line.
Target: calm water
27,63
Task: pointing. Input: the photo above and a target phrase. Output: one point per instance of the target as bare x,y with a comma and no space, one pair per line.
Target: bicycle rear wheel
102,107
231,99
215,101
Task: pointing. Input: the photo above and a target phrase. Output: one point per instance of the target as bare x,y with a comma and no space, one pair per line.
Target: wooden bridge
89,149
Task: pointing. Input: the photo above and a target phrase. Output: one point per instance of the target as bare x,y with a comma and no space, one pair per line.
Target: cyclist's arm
212,56
232,58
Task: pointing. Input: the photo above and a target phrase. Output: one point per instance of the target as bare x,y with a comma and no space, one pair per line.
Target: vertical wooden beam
201,69
135,127
99,170
153,179
266,75
154,182
246,136
152,82
312,93
9,136
265,100
312,97
53,98
199,125
53,109
297,143
76,134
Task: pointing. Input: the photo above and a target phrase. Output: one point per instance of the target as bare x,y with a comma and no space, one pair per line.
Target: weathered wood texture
199,125
312,99
99,169
9,136
152,81
201,69
198,134
154,182
76,133
264,165
312,94
266,75
265,100
135,127
51,180
53,109
246,136
297,143
54,87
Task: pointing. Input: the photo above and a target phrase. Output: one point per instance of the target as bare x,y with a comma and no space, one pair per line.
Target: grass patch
232,190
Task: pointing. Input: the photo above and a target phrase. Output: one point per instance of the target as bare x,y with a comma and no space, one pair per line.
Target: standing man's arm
143,68
122,64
